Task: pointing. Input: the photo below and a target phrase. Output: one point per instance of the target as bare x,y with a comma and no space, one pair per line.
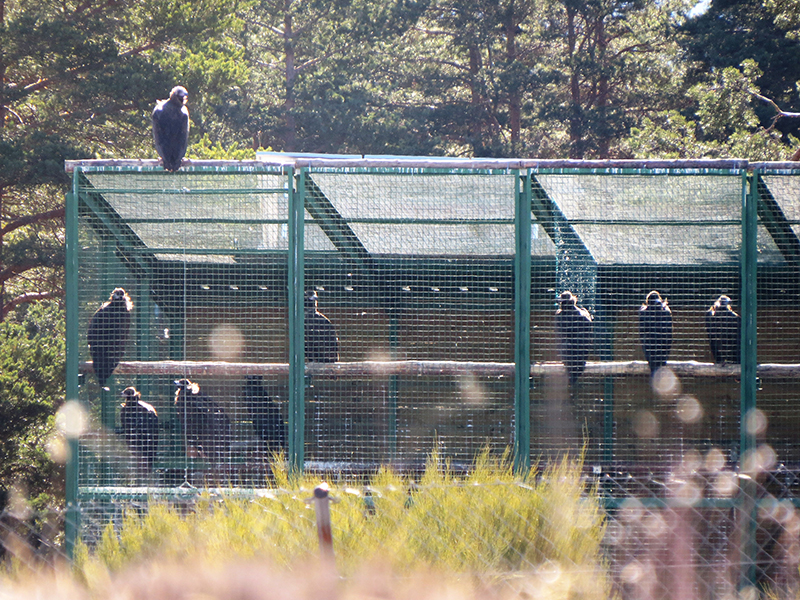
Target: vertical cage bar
749,268
747,437
107,399
143,323
296,285
522,323
606,325
394,385
72,356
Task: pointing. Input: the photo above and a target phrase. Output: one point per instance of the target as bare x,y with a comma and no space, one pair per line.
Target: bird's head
131,395
311,299
184,385
120,295
567,299
723,302
653,298
179,95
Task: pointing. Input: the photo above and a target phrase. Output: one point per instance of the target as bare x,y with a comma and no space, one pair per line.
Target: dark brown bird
171,128
265,414
655,330
206,426
139,421
724,328
108,334
575,335
321,343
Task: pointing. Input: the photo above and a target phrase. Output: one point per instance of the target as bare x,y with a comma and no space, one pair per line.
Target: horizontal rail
151,164
184,191
436,368
278,160
191,493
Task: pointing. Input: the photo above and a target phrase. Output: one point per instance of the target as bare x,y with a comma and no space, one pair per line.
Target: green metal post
107,399
143,313
606,352
394,387
177,351
296,285
747,438
522,323
749,266
72,523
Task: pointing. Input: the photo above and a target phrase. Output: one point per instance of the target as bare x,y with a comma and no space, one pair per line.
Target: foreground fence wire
506,531
356,313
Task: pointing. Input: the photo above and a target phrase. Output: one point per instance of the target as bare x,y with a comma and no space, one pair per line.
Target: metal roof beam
130,246
773,218
333,224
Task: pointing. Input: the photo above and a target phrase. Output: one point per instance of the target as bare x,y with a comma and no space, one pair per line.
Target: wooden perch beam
434,368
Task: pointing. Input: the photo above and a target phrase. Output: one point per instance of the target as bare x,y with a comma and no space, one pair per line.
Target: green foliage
724,103
490,523
78,80
205,149
787,15
724,124
31,387
491,79
733,32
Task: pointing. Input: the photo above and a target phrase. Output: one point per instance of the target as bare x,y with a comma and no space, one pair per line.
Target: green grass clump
489,523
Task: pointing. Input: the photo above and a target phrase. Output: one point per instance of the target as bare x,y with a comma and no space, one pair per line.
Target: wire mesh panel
646,324
778,335
620,237
775,460
645,254
201,260
421,273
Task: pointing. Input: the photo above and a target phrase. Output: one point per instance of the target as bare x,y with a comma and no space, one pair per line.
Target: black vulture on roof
206,426
265,413
655,330
321,344
108,334
171,128
724,328
139,421
575,335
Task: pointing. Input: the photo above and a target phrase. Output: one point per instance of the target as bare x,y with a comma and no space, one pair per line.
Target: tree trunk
603,141
475,97
575,120
3,113
2,70
514,102
290,135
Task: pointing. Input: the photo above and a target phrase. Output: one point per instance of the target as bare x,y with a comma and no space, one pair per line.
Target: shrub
488,523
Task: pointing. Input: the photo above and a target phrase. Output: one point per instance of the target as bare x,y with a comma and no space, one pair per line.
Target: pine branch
27,298
56,213
17,268
43,83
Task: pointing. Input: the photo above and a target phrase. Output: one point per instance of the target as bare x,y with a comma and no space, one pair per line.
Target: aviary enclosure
441,279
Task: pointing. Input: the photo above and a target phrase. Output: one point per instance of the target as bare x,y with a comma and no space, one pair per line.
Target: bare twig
780,114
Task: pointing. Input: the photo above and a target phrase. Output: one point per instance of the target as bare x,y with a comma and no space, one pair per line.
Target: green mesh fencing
431,275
